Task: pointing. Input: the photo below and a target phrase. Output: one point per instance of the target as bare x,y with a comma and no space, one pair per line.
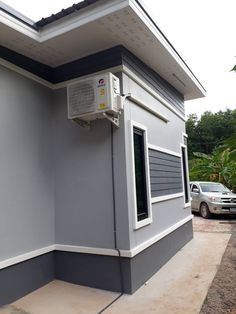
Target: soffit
96,28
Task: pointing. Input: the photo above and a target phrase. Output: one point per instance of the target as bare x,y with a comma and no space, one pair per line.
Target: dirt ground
221,297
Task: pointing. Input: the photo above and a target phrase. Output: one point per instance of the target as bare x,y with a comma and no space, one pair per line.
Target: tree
216,167
234,68
230,144
210,130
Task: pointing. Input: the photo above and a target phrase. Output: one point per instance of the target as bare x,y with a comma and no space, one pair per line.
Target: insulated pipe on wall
114,221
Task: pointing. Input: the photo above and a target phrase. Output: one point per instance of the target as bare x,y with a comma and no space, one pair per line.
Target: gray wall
83,180
26,180
56,177
165,135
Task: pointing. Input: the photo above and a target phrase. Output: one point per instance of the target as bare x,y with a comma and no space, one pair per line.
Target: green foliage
230,144
234,68
210,130
218,167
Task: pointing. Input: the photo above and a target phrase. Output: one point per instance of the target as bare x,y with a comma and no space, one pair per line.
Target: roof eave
191,88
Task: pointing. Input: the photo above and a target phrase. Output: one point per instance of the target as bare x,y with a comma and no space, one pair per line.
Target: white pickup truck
209,198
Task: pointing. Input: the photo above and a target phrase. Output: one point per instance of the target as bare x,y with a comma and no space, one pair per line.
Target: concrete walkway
179,287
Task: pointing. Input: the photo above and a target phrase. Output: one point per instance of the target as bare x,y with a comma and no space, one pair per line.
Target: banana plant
218,167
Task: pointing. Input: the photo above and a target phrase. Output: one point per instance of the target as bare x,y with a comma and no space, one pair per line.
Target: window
214,187
185,174
140,176
194,186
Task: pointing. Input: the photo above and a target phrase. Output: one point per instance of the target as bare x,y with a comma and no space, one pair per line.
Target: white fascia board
146,20
18,26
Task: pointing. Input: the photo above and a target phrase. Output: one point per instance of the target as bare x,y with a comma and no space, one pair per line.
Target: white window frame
169,196
188,204
148,220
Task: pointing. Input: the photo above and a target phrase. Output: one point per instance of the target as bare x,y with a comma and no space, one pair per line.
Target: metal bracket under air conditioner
112,118
82,123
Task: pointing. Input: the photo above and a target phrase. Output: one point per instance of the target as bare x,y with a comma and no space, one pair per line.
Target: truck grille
228,200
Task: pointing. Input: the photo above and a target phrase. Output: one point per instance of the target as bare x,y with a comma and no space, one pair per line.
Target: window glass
194,187
185,175
214,187
140,174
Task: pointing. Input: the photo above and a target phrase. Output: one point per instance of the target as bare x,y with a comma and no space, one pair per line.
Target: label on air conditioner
101,82
102,106
102,91
101,85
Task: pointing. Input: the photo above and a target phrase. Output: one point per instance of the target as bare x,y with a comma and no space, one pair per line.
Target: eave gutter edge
169,43
18,16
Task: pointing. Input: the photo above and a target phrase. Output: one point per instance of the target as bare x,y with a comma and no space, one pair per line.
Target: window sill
142,223
166,197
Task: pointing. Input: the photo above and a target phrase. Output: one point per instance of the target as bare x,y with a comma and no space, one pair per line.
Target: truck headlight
214,199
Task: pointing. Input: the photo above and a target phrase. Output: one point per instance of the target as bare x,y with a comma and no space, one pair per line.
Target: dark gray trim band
96,271
26,63
97,62
87,65
144,265
153,79
18,280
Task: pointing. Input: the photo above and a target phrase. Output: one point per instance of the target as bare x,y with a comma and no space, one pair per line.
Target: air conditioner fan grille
81,98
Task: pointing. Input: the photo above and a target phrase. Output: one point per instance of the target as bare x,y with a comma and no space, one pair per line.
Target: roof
64,12
76,7
91,26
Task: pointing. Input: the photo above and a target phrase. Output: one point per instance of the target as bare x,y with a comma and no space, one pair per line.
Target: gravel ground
221,297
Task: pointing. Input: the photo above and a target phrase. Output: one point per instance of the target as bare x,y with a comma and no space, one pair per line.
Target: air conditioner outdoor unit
94,98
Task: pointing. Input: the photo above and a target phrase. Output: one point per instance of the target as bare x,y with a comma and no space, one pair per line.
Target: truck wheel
204,211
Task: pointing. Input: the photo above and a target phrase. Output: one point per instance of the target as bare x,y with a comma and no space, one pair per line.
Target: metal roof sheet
64,12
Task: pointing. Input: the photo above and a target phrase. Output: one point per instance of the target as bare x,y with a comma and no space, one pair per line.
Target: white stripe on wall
24,257
91,250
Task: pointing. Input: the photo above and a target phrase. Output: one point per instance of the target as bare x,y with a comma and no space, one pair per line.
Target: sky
203,32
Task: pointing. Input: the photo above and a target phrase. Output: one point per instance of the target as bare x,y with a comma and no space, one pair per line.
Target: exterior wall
80,164
27,203
20,279
166,135
165,173
83,180
71,186
153,80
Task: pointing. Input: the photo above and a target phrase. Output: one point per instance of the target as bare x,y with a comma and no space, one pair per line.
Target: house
103,203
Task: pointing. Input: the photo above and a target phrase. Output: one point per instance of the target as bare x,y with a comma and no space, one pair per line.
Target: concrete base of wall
98,271
18,280
148,262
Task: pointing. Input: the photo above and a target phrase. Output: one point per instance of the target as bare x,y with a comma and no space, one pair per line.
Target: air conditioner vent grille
81,98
